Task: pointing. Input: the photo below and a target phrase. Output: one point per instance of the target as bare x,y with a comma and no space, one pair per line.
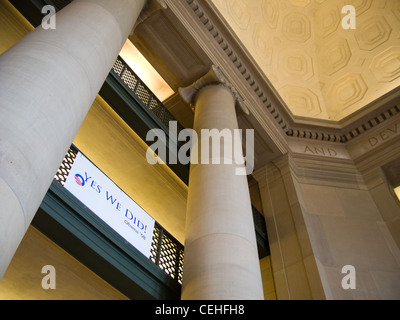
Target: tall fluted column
221,258
48,81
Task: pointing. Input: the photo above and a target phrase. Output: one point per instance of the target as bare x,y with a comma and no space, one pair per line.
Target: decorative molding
371,123
335,56
379,27
332,131
214,76
333,172
297,27
376,139
385,66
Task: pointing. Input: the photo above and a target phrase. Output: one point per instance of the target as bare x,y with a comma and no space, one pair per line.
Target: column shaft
221,258
48,82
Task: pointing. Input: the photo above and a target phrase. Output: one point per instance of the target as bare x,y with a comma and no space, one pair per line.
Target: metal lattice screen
145,95
166,251
65,167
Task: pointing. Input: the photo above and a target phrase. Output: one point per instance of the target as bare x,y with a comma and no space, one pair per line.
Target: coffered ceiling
320,70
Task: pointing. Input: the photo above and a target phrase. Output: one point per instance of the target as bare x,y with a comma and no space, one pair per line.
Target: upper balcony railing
144,94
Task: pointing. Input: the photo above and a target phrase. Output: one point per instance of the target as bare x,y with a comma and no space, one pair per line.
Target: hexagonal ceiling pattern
321,70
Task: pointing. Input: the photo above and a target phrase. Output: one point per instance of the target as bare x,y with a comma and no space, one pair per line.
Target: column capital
151,7
214,77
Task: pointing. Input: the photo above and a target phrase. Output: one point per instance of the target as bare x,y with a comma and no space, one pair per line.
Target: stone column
48,82
221,258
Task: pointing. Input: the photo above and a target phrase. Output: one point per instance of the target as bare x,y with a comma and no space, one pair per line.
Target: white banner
94,189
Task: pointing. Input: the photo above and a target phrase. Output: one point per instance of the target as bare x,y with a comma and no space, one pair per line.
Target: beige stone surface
23,279
356,239
221,267
330,226
292,257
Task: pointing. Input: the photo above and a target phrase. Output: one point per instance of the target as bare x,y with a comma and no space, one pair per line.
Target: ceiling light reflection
145,71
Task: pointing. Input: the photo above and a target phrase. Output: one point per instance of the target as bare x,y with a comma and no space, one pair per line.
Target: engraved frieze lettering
321,151
384,135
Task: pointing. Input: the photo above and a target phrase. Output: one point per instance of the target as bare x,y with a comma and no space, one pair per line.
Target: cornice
349,132
240,60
